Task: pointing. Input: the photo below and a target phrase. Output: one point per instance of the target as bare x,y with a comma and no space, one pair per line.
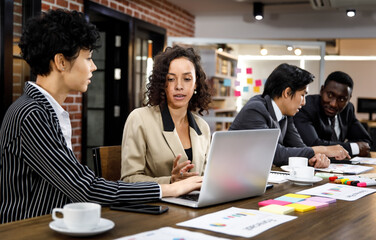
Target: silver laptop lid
238,165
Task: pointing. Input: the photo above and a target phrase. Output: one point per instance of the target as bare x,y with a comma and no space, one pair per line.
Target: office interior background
225,32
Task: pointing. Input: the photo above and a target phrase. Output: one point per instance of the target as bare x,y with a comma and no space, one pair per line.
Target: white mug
298,162
80,216
302,172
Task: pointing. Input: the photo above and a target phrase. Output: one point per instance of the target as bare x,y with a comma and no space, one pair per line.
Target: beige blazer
151,143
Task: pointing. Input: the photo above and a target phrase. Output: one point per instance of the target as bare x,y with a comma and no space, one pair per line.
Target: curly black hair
156,88
56,31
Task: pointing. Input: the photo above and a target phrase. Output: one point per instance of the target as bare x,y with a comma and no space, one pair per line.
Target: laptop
237,167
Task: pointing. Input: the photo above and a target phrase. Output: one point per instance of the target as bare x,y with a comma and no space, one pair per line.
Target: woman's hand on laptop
319,161
181,187
180,171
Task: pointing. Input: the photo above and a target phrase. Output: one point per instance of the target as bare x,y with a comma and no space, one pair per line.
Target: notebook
237,167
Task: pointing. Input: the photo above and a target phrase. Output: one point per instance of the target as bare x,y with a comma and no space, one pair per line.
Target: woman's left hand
180,171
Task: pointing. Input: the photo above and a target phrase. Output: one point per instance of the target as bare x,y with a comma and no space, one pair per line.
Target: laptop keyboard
192,197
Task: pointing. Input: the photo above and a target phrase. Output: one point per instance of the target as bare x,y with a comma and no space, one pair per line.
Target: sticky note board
301,207
323,199
227,82
278,209
297,195
249,70
313,203
249,80
272,201
289,199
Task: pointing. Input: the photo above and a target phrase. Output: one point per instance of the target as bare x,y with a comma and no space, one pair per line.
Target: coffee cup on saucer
298,162
302,172
81,216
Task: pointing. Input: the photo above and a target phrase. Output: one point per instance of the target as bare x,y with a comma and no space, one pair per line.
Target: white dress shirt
354,146
62,115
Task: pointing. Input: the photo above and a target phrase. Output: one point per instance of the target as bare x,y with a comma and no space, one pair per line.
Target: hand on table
319,161
337,152
364,149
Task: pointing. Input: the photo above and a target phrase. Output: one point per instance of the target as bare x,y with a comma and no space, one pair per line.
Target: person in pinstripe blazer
39,171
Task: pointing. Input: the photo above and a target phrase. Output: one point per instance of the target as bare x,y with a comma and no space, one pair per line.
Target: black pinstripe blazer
39,172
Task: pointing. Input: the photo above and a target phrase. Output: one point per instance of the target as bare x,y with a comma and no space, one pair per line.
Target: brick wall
176,21
17,62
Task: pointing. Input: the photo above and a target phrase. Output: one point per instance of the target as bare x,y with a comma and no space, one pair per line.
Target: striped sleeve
49,157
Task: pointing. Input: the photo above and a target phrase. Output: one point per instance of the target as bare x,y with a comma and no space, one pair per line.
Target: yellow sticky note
278,209
256,89
250,80
301,207
297,195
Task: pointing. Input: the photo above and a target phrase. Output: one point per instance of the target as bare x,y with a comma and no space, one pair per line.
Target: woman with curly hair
165,141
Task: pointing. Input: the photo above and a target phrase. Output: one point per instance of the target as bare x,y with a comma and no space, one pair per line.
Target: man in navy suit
329,118
283,96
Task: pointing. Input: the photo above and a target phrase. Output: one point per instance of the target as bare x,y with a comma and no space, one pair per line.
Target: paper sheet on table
364,160
237,221
345,168
338,191
170,233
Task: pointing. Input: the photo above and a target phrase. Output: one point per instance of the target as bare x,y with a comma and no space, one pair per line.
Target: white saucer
286,168
103,226
304,181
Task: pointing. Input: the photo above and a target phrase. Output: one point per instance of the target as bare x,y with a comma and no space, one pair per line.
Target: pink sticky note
237,83
238,70
272,201
249,70
258,82
237,93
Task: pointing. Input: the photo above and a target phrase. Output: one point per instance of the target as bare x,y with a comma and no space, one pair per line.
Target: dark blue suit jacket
258,113
314,127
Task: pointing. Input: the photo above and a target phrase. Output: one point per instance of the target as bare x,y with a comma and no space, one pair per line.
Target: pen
354,183
366,184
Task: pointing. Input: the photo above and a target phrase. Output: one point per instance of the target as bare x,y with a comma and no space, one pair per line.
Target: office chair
107,162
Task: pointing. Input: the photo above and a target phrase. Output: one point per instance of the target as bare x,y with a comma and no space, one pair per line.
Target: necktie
332,125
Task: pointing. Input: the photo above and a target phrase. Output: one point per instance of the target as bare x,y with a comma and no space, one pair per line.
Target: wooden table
341,220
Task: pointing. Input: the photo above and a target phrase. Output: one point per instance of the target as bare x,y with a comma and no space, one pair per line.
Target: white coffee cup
80,216
302,172
298,162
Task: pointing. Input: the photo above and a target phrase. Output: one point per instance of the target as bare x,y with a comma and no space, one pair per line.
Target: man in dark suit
329,117
283,96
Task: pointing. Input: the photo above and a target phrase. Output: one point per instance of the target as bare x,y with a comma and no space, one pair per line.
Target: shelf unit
220,69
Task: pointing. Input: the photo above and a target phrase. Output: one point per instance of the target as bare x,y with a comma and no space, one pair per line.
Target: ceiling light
289,48
258,10
298,51
263,51
351,13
